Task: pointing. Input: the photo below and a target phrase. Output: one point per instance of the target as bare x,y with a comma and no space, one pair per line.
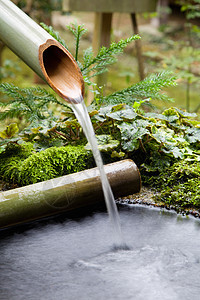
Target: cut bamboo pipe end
41,52
61,71
66,193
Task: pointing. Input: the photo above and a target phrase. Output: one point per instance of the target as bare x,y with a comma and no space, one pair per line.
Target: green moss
179,185
19,150
11,158
182,196
24,169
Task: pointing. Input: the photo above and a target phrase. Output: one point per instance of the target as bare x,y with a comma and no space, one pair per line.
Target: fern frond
150,87
54,34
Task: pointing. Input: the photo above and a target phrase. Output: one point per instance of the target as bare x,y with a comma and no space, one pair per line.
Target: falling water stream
82,115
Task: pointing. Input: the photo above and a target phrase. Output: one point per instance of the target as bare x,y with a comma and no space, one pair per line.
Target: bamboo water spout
41,52
66,193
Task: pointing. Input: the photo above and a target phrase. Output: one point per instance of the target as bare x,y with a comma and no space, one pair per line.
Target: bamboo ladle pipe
41,52
66,193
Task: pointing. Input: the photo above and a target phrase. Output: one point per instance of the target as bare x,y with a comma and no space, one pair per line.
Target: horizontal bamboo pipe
66,193
41,52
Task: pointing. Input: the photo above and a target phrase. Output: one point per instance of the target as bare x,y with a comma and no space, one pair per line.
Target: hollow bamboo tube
66,193
41,52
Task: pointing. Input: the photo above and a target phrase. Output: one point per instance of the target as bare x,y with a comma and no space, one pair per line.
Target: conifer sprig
29,103
54,34
149,88
78,31
106,56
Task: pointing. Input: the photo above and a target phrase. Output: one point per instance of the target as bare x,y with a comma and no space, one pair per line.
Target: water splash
82,116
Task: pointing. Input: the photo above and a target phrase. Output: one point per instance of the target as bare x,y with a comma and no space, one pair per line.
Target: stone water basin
73,257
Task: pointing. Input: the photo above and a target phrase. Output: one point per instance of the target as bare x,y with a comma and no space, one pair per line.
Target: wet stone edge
146,197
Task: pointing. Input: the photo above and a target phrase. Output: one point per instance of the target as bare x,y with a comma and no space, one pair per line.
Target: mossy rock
179,185
21,151
182,196
11,158
25,167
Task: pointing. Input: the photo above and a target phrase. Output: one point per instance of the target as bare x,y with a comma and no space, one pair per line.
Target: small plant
147,89
28,103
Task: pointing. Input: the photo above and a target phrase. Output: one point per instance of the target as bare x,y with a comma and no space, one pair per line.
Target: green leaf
137,104
93,113
176,152
193,135
104,110
105,143
100,118
158,162
36,130
102,113
131,145
117,154
164,116
117,115
72,123
185,114
125,114
119,106
130,135
10,131
163,135
171,114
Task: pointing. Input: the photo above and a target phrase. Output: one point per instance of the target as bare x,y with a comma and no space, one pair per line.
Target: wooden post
138,47
164,11
101,37
102,32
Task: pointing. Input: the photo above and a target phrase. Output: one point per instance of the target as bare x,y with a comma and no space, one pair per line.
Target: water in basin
73,258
